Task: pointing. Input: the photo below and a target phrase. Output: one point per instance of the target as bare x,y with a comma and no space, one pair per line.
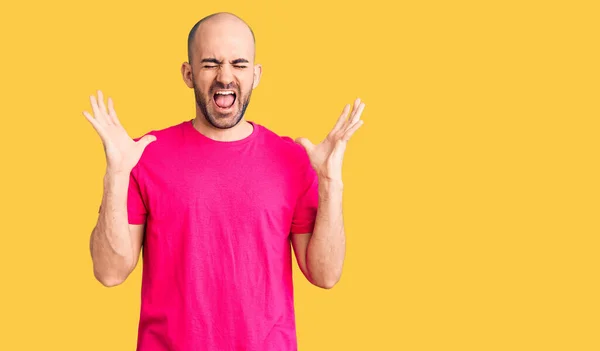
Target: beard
216,119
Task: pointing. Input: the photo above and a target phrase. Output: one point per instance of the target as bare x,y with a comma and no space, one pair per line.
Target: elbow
323,277
110,279
326,285
110,282
114,273
327,282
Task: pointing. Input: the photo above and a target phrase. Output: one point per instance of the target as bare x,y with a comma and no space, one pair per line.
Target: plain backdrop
471,193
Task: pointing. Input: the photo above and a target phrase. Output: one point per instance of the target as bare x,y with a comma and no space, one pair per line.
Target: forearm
111,245
327,245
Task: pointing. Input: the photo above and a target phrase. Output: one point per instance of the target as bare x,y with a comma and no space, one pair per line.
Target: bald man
218,203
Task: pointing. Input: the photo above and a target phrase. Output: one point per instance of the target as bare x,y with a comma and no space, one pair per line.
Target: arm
320,255
114,244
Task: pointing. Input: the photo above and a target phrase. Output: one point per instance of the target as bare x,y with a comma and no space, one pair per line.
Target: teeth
225,92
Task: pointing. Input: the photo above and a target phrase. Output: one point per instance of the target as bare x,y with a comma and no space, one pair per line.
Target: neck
240,131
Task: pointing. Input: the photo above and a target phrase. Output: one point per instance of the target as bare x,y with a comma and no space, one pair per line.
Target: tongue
224,101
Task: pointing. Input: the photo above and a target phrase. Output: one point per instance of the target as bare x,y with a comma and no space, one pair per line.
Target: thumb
308,146
146,140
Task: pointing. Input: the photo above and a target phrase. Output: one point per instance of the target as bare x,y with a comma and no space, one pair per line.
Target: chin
224,121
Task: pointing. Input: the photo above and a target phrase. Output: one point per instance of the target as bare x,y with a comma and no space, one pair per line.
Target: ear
186,73
257,75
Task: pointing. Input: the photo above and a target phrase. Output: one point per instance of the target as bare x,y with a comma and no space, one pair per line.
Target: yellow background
471,193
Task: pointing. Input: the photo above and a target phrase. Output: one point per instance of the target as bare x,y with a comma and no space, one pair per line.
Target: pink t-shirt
217,259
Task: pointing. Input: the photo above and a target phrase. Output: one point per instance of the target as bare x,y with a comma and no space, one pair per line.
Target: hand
122,152
326,157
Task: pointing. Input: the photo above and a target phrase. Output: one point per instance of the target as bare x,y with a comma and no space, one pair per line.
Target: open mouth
224,99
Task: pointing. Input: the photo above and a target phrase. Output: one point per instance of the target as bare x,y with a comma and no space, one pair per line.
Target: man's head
221,68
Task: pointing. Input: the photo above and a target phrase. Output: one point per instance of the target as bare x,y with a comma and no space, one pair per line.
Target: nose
225,75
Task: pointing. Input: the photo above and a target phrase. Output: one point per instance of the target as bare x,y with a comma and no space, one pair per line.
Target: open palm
122,152
326,157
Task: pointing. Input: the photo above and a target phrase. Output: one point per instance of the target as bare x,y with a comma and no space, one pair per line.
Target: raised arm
321,254
115,245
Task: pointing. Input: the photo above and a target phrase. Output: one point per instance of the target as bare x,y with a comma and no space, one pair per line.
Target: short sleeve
305,213
136,210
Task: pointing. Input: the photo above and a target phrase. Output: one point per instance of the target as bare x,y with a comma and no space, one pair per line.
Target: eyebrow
240,60
211,60
215,61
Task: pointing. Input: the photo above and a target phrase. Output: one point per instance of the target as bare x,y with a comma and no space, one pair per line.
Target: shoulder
167,140
167,134
283,145
288,154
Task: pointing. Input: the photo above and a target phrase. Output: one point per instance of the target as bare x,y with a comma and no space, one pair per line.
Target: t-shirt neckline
189,124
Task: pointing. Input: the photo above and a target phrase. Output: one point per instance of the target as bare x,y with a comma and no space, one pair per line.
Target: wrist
112,177
328,179
330,186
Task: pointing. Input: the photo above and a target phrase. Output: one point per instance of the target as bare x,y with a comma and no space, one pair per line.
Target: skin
221,58
115,245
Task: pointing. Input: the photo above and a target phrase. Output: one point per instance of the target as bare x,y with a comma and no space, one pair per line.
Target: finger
111,112
353,117
305,143
354,107
98,116
356,116
341,120
145,141
95,124
356,104
352,129
102,108
101,102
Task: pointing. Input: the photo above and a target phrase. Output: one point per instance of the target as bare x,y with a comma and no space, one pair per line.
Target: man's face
223,73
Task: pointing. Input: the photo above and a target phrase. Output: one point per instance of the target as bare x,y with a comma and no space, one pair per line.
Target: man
216,201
